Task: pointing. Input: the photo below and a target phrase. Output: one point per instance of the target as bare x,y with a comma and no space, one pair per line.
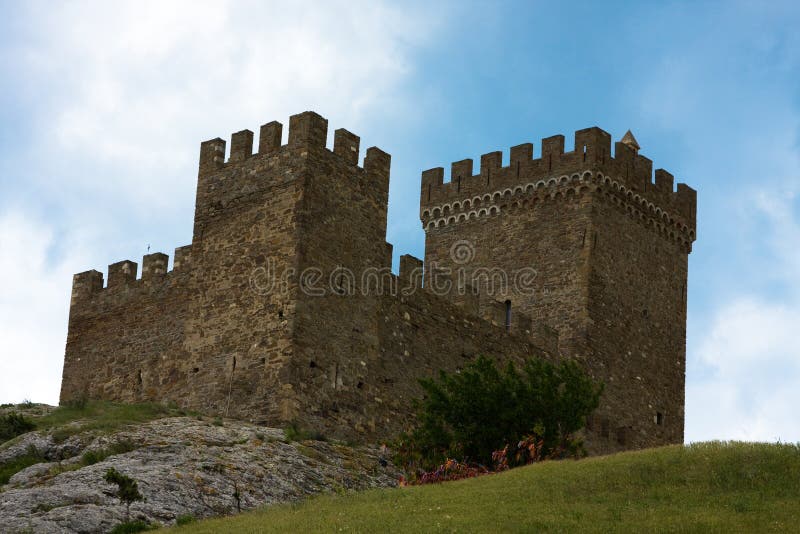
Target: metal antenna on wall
148,248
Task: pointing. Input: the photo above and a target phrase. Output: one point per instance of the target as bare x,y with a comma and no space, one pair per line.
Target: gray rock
182,466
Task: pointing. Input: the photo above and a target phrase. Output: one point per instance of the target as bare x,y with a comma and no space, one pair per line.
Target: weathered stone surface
182,466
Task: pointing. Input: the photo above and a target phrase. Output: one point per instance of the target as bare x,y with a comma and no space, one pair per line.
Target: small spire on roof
630,140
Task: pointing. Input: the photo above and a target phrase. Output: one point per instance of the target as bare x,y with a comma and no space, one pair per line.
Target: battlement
308,132
123,274
590,164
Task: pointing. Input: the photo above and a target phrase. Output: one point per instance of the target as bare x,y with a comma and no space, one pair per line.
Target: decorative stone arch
494,210
482,212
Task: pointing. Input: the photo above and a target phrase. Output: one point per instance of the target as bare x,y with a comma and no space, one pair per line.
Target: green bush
31,457
120,447
185,519
131,527
294,432
13,425
127,490
473,413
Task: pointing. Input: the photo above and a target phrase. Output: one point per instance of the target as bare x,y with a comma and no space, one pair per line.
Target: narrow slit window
508,315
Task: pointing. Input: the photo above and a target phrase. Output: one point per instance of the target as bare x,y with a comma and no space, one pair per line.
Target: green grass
708,487
97,416
100,416
9,469
97,456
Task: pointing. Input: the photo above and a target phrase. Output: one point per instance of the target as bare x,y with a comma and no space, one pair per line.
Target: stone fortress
284,307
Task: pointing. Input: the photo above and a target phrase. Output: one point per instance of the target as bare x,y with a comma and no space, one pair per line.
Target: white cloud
119,96
33,309
137,85
750,355
722,95
753,355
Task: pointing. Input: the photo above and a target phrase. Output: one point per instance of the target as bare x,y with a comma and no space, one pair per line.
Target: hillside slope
707,487
51,479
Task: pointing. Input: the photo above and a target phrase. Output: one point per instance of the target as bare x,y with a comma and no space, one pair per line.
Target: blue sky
103,106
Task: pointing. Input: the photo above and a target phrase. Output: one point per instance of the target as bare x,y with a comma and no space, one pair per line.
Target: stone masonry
284,307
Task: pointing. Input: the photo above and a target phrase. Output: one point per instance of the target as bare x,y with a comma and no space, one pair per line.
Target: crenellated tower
609,246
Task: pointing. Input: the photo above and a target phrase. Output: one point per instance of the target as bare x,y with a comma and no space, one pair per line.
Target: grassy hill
708,487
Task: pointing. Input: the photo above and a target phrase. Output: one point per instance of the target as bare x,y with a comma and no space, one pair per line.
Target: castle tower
586,242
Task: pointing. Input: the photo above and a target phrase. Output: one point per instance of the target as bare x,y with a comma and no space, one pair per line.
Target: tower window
659,418
508,315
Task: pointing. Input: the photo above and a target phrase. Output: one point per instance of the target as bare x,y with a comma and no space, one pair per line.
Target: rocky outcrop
183,466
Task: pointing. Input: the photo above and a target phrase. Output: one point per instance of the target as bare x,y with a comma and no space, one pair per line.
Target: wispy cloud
722,95
116,98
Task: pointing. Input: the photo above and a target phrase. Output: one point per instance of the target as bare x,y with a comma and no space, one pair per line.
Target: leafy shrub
296,433
127,490
471,414
131,527
185,519
14,424
97,456
78,403
8,469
